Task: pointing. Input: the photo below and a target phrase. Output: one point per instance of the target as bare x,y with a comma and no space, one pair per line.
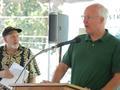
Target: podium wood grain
46,86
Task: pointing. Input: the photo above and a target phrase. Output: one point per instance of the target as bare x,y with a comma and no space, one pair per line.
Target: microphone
73,41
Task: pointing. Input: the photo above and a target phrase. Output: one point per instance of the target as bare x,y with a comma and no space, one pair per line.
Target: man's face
92,20
12,40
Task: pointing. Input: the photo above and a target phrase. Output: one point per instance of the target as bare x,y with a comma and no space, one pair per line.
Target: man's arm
59,72
113,83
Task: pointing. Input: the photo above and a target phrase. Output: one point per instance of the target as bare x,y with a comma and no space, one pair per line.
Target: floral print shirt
21,57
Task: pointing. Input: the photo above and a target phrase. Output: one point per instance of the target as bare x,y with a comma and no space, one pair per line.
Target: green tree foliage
25,8
30,15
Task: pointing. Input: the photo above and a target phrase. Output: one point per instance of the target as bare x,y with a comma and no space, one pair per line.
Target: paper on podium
15,69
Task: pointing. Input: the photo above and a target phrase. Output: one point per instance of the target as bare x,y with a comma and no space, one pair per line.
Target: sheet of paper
15,69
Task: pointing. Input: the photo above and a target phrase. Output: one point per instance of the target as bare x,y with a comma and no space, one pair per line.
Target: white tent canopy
62,1
57,3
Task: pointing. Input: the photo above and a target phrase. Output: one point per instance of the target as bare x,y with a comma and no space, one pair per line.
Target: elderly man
95,61
12,51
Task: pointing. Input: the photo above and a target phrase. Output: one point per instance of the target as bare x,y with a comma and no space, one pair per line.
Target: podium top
49,85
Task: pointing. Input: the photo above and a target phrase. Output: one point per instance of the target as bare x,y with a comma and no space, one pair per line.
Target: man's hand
6,74
46,81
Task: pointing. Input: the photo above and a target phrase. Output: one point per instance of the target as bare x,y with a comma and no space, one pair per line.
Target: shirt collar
19,48
104,38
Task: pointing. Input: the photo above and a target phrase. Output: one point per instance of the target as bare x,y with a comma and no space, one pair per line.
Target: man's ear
4,38
102,19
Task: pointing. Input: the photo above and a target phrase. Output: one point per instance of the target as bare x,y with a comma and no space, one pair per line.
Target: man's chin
89,32
15,46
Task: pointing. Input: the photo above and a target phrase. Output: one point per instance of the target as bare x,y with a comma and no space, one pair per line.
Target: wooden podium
46,86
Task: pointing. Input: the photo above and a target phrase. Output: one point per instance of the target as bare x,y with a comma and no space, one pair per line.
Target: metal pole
60,53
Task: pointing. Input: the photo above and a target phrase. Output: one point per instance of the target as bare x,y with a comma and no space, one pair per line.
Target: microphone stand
44,50
60,53
76,40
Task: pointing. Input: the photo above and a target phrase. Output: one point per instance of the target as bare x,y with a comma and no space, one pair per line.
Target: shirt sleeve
67,58
33,67
116,59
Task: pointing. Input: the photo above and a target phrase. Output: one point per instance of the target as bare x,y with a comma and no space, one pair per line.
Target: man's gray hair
102,10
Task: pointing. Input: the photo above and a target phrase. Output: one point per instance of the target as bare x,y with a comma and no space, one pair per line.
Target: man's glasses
88,17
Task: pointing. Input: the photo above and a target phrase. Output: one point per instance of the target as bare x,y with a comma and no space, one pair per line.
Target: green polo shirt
93,63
